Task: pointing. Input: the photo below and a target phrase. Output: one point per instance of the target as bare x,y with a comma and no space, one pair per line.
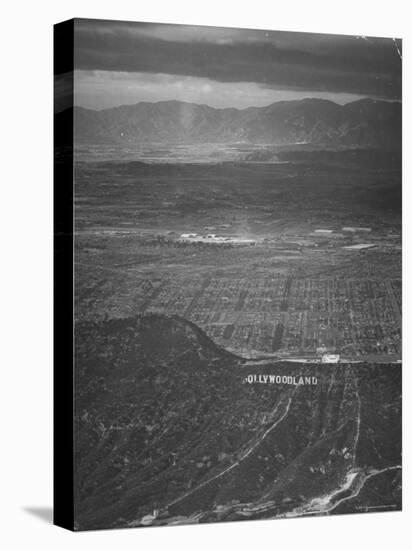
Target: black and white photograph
205,275
237,273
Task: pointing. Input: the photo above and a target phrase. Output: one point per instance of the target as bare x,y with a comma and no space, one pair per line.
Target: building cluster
213,238
281,315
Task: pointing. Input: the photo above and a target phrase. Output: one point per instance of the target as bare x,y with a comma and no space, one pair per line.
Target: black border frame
63,281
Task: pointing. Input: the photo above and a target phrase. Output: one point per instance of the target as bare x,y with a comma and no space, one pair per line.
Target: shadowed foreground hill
363,123
167,431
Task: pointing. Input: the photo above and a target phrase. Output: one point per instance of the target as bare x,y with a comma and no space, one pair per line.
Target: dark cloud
279,60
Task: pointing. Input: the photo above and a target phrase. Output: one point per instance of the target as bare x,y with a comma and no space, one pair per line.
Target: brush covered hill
363,123
168,431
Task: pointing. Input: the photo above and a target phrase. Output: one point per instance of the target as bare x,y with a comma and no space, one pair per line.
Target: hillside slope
167,431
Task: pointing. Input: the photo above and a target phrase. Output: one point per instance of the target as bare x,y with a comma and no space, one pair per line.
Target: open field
319,265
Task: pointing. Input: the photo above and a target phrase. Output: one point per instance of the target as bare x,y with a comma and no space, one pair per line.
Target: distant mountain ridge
363,123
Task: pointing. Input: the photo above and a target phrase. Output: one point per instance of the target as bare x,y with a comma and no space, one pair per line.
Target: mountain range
363,123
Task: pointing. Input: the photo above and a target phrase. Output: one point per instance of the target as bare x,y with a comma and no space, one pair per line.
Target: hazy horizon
100,90
124,63
204,103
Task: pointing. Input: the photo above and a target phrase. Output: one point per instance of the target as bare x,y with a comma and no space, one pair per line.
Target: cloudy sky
123,63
